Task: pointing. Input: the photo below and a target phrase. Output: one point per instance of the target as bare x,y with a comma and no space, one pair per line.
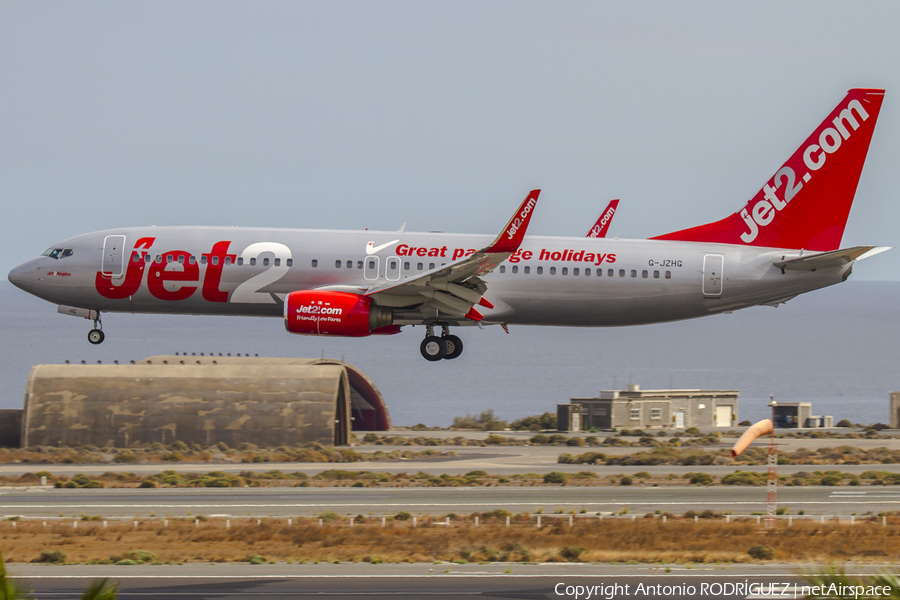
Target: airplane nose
22,275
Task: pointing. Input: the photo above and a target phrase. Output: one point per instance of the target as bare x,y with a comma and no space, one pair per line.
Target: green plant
10,590
555,477
51,556
761,552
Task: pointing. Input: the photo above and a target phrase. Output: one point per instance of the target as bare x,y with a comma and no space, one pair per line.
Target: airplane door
712,274
371,270
392,268
113,256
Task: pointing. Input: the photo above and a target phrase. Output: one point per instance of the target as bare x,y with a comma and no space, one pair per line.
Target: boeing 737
783,242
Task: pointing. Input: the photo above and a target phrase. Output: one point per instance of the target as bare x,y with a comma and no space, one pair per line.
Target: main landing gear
435,348
96,335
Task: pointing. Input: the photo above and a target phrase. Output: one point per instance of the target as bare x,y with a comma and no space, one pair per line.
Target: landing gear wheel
453,346
432,348
96,336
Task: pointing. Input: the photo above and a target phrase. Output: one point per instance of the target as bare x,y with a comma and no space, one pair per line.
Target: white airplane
601,227
783,242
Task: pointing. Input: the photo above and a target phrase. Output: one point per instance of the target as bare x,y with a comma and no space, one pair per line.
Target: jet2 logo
175,275
814,157
520,218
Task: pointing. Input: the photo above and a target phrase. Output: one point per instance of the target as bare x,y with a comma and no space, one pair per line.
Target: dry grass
607,540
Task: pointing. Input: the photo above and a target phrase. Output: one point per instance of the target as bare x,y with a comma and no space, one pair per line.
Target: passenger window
515,268
503,268
359,264
158,259
147,258
621,272
420,266
527,270
599,272
430,266
655,274
277,262
634,272
135,258
290,262
265,261
192,259
314,262
610,273
668,274
253,262
644,273
215,260
240,261
553,270
202,259
337,264
349,264
587,272
576,271
169,258
372,264
565,270
181,259
540,270
406,266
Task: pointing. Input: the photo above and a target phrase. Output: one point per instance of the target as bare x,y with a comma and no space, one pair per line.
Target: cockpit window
58,253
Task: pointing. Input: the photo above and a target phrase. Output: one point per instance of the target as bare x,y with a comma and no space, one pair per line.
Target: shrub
544,421
844,423
140,556
701,479
256,559
147,483
572,552
575,441
555,477
625,480
51,556
402,516
831,480
761,552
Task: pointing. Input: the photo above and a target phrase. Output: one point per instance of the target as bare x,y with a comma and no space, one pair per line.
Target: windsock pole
772,483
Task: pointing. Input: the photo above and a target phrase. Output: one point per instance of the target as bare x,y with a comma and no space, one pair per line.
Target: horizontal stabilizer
835,258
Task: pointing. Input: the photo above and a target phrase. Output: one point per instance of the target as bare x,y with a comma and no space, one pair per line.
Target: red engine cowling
319,312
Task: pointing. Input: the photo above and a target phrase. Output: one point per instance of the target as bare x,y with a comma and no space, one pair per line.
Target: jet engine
320,312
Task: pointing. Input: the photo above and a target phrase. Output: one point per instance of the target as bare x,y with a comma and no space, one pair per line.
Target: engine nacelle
319,312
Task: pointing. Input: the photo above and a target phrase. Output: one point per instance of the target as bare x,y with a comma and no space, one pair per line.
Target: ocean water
837,348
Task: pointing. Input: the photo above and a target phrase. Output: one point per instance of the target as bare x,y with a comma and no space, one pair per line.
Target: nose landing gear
434,348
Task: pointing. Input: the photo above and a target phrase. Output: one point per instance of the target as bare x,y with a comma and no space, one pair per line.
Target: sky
354,115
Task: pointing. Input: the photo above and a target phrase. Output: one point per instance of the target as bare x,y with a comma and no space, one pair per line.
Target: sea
836,348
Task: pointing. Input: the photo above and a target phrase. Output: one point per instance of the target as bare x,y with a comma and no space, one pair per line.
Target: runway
306,502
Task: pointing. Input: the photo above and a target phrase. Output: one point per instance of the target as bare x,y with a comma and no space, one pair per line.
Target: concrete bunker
203,400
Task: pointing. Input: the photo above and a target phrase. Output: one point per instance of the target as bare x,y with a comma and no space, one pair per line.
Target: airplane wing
457,287
835,258
601,227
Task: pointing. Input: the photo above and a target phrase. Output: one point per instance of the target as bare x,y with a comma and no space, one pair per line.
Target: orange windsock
757,429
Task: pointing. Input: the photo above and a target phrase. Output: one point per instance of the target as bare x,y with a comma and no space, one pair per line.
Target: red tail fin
806,203
601,227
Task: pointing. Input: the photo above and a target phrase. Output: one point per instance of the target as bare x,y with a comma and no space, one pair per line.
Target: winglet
514,232
601,227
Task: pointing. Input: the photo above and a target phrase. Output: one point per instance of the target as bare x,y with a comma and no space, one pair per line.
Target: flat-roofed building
634,408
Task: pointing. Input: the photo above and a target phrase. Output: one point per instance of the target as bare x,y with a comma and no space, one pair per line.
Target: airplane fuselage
548,281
